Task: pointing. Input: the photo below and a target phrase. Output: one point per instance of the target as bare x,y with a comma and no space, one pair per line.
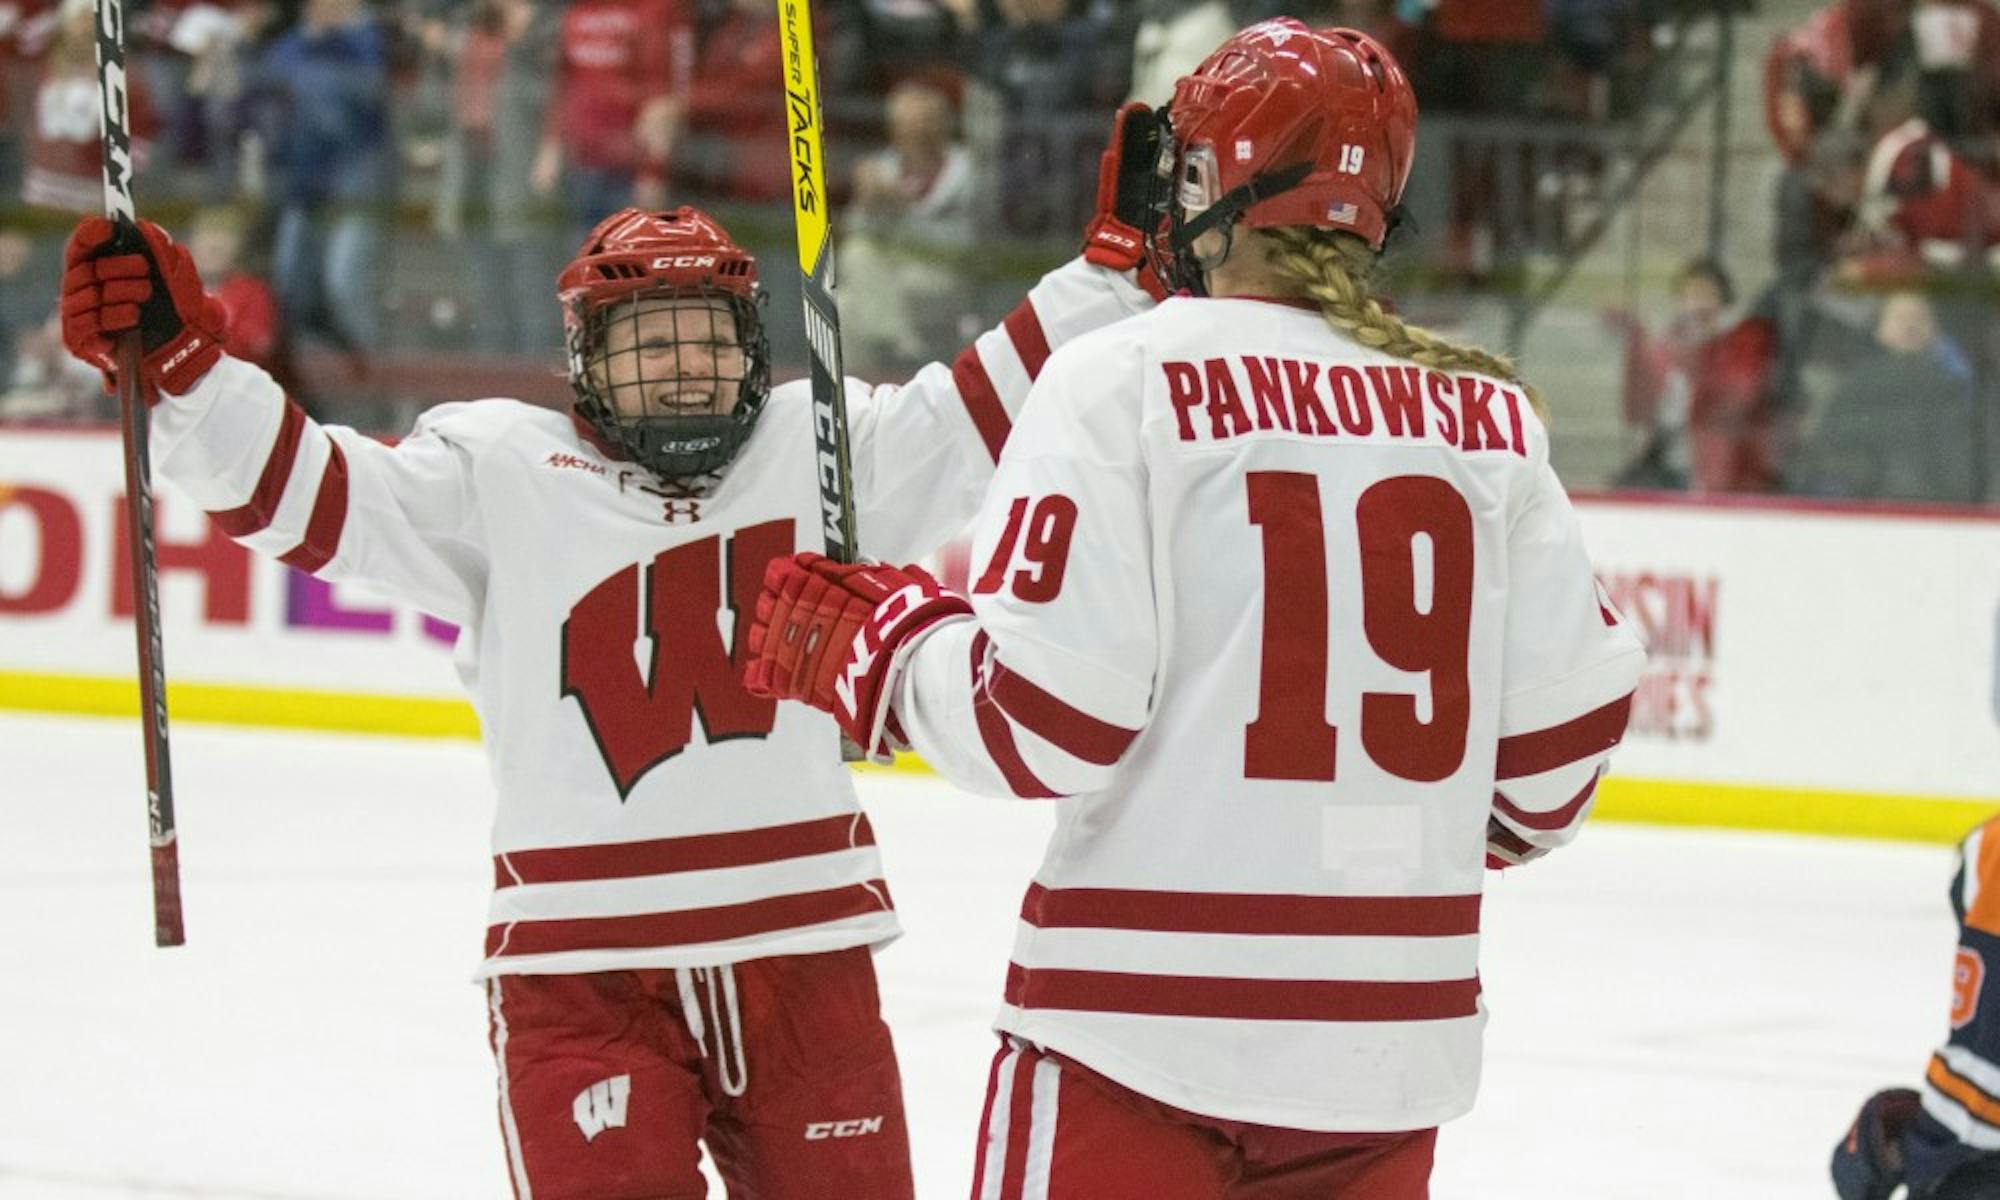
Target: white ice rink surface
1674,1015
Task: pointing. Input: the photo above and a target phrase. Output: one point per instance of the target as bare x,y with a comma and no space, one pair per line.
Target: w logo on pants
601,1106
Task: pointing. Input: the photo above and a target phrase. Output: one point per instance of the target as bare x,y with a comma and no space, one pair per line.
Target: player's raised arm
326,500
924,450
1042,693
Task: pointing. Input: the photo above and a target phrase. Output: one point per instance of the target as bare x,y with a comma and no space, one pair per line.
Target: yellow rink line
1652,801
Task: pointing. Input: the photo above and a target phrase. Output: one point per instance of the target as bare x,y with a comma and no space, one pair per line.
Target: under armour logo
674,507
601,1106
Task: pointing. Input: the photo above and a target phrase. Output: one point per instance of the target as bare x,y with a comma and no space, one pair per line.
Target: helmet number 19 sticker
1351,157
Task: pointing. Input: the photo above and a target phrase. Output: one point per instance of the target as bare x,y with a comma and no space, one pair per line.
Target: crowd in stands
397,180
1868,367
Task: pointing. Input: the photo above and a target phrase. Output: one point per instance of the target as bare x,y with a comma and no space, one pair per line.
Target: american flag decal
1343,213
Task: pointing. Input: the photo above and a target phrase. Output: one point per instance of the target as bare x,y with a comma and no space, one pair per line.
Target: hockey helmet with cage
1284,125
693,389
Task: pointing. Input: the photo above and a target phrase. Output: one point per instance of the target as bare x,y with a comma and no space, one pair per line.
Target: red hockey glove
1505,848
1126,179
118,277
831,634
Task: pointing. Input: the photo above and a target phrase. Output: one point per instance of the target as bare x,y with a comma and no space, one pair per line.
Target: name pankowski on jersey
1286,620
651,813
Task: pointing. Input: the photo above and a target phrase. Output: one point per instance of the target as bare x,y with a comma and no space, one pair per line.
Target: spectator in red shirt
254,328
1700,393
1925,211
623,71
737,106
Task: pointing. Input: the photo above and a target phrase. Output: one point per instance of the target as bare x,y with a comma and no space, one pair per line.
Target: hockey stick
809,212
167,929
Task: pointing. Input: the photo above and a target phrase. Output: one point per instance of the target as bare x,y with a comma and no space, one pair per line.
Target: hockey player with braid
686,891
1943,1142
1278,598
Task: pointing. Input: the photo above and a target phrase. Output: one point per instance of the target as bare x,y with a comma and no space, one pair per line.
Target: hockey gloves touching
120,276
1868,1162
1116,236
835,635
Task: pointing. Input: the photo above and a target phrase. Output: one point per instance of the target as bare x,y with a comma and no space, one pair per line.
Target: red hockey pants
1055,1130
609,1081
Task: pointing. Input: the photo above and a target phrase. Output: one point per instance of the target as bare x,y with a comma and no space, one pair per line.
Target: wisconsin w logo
601,1106
645,654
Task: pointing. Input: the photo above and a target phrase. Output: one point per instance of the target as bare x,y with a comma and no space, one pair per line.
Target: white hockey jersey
1285,619
651,813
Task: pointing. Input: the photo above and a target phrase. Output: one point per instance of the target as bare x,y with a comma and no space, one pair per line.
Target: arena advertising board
247,640
1811,668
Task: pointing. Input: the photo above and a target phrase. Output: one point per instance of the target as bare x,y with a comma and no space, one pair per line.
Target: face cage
673,446
1181,181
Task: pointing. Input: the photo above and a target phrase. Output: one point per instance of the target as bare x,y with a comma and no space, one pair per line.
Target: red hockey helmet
633,257
1286,125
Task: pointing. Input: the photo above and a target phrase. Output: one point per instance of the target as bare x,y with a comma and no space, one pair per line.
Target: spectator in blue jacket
320,96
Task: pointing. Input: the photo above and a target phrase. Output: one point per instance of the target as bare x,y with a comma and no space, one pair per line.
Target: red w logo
644,666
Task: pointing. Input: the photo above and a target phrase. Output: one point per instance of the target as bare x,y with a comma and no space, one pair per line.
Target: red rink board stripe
1572,741
1071,730
1547,822
666,856
256,513
688,926
1253,915
1241,999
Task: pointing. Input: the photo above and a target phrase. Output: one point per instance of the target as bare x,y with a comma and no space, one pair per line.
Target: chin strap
1223,213
1222,217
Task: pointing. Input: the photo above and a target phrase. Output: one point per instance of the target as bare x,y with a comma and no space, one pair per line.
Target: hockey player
1943,1142
685,889
1279,597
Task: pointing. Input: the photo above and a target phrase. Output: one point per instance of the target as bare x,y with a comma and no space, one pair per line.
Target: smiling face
664,357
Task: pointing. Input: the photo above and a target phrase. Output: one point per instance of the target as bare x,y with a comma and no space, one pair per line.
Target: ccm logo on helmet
819,1131
671,261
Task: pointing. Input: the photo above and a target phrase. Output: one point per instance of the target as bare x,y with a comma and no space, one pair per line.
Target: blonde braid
1334,267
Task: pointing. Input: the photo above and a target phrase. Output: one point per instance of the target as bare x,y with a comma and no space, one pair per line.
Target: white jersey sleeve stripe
1591,734
255,513
329,517
996,735
1548,822
1070,730
982,401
